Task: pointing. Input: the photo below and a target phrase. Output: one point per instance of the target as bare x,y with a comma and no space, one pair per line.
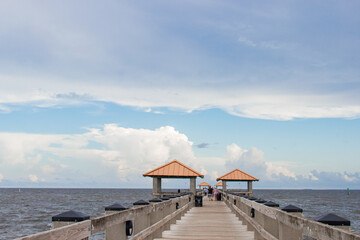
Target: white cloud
349,179
33,178
277,169
127,152
145,148
249,102
158,112
1,177
4,109
214,175
47,169
253,162
28,149
246,41
256,83
63,165
310,176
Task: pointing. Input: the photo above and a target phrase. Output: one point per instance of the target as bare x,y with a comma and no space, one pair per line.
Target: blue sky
95,94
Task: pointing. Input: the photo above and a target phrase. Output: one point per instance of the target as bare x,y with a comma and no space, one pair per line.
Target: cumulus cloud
18,148
114,154
331,179
33,178
139,150
253,162
349,179
310,176
214,175
127,152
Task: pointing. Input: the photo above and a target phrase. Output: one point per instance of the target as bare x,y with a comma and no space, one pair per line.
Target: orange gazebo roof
204,184
218,184
237,175
173,169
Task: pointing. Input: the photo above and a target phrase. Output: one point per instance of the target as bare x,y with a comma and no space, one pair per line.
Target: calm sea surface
29,211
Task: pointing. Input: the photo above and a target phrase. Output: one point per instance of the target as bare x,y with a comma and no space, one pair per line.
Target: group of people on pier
211,193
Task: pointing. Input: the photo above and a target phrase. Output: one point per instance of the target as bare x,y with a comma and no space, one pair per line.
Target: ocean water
29,211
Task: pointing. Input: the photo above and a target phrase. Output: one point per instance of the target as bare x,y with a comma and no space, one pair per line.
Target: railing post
118,231
258,217
155,216
67,218
172,208
286,232
166,211
141,221
178,206
183,202
270,224
335,220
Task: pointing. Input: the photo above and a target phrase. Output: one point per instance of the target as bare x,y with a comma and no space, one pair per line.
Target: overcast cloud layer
271,60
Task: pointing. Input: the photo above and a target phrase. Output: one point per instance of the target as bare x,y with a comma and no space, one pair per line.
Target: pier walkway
212,221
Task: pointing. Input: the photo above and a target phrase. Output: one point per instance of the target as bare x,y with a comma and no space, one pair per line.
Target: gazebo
173,169
239,176
203,185
219,184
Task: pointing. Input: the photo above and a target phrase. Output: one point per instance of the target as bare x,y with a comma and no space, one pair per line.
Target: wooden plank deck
212,221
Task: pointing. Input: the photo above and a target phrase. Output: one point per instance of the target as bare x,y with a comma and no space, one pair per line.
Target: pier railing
141,221
272,223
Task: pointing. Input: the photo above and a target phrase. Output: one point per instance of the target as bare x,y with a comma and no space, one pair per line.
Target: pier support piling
156,187
224,185
193,185
249,187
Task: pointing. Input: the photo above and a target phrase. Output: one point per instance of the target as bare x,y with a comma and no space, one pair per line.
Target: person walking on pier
210,195
215,193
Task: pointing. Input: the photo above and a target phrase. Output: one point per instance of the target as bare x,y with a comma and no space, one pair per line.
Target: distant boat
19,190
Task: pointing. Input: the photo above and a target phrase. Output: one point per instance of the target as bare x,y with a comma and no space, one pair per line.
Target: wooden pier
232,216
212,221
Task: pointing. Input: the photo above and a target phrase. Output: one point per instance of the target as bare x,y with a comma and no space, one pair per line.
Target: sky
94,94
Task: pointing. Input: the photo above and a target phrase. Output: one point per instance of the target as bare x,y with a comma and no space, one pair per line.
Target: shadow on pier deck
212,221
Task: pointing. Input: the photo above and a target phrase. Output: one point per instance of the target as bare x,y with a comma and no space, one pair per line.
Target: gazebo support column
249,187
224,185
193,185
156,187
